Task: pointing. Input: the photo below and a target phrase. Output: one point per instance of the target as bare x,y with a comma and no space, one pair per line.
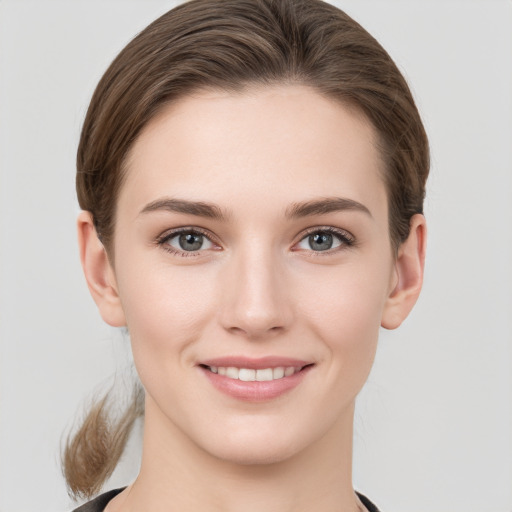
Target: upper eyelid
313,229
330,229
170,233
209,234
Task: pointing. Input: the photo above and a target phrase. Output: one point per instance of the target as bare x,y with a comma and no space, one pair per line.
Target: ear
409,266
98,272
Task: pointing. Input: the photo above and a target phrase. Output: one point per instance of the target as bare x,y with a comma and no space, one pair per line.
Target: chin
253,456
253,449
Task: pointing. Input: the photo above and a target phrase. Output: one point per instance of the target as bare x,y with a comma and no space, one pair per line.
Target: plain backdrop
434,422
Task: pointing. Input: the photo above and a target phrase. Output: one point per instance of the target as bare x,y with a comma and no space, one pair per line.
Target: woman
251,175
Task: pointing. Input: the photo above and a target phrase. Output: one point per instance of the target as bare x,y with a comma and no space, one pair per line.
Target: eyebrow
200,208
323,206
294,211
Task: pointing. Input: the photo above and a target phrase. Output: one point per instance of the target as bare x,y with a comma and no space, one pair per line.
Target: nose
256,300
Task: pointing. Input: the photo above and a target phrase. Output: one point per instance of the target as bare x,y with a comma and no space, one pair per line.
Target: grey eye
189,241
322,241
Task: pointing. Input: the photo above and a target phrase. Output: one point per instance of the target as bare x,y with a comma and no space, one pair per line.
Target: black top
98,504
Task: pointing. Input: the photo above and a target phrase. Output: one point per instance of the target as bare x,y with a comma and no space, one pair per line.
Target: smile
252,375
255,380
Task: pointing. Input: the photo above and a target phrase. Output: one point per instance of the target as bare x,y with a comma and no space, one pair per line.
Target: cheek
166,308
344,308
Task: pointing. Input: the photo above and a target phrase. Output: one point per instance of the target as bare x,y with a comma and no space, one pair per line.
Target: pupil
191,241
320,241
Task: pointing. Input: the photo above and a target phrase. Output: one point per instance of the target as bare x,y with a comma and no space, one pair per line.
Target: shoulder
99,503
367,503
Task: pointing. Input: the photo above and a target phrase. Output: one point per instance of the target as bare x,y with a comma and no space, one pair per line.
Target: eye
325,239
185,242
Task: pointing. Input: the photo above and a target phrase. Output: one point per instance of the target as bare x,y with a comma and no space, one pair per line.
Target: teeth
246,375
289,371
251,375
262,375
232,373
278,373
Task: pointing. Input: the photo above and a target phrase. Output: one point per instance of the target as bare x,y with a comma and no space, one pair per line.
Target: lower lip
255,391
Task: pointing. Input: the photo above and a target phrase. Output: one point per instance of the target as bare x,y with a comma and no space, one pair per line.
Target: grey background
434,422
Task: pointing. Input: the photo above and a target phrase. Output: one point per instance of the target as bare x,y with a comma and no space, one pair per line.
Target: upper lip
255,363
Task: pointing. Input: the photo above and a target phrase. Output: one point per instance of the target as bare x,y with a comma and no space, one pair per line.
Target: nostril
255,331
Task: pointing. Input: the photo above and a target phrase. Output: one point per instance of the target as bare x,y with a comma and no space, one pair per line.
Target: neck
176,474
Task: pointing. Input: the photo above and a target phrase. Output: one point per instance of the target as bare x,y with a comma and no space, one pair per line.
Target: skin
257,289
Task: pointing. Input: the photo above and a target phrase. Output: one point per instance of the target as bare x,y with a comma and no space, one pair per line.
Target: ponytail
91,454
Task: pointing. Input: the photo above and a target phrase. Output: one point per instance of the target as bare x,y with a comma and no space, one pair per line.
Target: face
252,243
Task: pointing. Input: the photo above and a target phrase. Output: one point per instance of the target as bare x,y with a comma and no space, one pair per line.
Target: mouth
255,380
255,375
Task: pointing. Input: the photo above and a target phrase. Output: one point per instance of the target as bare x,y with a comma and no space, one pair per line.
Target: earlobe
98,272
409,267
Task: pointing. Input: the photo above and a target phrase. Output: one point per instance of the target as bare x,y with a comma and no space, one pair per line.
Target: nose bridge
256,302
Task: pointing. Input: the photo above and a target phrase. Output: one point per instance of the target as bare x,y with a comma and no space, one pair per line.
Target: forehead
274,143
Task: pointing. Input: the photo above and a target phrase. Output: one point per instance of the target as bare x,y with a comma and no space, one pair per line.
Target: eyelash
163,240
344,237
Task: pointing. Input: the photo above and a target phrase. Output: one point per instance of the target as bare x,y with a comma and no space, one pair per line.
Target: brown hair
229,44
